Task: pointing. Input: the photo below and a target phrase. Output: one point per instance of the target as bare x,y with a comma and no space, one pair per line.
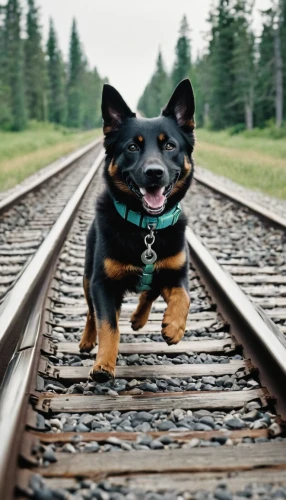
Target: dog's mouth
154,197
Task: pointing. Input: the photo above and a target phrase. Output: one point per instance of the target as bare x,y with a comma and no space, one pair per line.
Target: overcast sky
121,37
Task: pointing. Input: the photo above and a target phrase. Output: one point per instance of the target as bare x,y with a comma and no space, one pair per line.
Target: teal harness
151,224
144,221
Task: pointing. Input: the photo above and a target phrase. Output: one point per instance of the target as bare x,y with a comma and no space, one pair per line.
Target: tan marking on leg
140,317
88,339
117,270
108,341
175,317
174,262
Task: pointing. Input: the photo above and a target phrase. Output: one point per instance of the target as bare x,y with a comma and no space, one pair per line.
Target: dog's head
149,163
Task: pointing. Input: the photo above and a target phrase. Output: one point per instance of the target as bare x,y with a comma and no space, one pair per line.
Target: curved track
202,416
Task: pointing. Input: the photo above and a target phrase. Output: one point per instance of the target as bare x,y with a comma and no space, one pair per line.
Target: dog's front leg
140,317
107,306
175,317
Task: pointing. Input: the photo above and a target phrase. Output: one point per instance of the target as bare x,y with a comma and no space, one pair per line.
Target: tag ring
149,256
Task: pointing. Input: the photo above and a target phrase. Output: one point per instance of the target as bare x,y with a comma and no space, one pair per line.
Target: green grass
255,162
23,153
251,159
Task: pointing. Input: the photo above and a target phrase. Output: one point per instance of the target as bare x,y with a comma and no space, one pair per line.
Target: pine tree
143,103
157,91
278,65
56,80
75,73
182,63
222,110
265,92
199,76
91,98
14,68
243,60
283,50
5,110
35,70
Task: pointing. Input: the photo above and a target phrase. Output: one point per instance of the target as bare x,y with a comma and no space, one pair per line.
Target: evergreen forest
240,79
35,82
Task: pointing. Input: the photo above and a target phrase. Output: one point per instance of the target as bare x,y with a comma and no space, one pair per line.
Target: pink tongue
155,198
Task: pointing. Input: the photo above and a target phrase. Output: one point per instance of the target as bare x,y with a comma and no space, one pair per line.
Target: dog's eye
133,147
169,146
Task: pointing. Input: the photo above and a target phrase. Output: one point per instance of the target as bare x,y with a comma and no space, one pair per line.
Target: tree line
240,79
35,82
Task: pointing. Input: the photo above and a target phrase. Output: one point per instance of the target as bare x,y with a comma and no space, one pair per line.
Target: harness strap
147,278
145,222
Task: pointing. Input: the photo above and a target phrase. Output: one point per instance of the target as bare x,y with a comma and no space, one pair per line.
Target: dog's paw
137,321
172,332
102,373
86,345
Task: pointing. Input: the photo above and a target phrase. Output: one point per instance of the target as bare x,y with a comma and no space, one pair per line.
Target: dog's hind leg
140,317
88,339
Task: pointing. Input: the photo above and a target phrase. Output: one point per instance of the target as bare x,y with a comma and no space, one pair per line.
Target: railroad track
27,216
247,239
202,419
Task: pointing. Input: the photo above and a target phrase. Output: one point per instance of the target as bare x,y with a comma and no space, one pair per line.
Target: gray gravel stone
222,494
235,423
156,445
49,455
82,428
208,421
69,448
166,426
202,427
144,416
149,387
92,447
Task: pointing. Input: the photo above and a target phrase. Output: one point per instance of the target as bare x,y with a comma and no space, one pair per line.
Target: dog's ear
114,109
181,105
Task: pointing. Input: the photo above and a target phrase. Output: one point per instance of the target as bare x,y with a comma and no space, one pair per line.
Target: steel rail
16,303
29,293
9,200
261,338
13,402
257,209
14,393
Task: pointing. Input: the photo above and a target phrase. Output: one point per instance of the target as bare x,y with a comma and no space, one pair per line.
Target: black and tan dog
148,170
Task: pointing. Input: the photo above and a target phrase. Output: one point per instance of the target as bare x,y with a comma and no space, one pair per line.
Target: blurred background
55,56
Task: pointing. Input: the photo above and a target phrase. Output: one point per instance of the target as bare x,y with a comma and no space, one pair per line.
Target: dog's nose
154,171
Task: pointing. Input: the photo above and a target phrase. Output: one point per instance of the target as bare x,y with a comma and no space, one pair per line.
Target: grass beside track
23,153
254,162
